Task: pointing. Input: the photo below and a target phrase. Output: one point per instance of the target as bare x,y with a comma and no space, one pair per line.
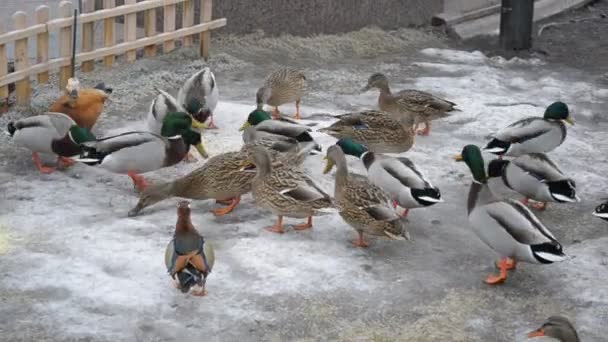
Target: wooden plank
206,13
130,31
88,35
65,42
188,20
20,34
42,42
21,60
3,69
150,30
169,26
116,49
109,29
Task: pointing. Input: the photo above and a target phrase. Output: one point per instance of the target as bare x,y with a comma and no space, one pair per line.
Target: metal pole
516,19
73,64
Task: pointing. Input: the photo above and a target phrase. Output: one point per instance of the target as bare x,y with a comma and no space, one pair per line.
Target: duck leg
426,130
278,227
231,205
275,113
361,241
139,182
539,206
405,210
510,263
211,125
65,162
298,117
38,163
499,279
304,226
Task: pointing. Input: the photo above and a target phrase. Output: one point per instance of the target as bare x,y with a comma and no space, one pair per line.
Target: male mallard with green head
50,133
533,134
284,85
506,226
424,106
199,96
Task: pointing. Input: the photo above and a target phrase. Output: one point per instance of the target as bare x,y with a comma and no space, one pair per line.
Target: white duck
507,226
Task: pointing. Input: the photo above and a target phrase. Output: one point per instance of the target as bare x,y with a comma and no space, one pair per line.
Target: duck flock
274,147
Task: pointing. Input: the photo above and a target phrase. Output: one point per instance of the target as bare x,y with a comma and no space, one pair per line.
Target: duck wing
539,166
519,222
118,142
523,130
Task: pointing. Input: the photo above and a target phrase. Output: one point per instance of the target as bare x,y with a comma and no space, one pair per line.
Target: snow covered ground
73,266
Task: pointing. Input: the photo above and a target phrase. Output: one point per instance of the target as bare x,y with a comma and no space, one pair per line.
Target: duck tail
89,155
427,196
563,191
548,253
11,128
497,147
102,86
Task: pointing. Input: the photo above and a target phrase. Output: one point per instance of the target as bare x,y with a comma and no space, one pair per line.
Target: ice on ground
74,266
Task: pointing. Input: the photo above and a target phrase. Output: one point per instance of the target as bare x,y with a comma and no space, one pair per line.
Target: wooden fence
88,54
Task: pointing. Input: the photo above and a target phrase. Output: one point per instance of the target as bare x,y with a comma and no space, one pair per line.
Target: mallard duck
377,131
425,106
534,134
536,177
602,211
188,257
84,106
398,177
507,226
284,85
285,191
139,152
51,133
260,125
558,327
363,205
199,96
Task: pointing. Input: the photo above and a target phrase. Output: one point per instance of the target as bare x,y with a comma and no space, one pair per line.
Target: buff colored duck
284,85
84,106
506,226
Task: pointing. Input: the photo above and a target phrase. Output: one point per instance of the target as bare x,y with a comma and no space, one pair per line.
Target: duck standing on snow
139,152
507,226
188,257
284,85
285,190
602,211
533,134
558,327
84,106
398,177
536,177
377,131
363,205
199,96
163,104
423,105
50,133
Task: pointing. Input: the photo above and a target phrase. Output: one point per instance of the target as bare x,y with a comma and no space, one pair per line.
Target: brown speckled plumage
284,85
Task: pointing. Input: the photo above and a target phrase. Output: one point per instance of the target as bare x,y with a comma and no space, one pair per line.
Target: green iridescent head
351,147
80,135
255,118
558,111
175,124
471,155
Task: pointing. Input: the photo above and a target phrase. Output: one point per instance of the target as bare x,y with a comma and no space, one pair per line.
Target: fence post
206,12
169,25
3,68
150,28
88,35
130,29
188,20
516,22
109,39
42,42
65,42
21,60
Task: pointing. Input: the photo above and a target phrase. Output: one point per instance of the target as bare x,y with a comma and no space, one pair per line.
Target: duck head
176,125
377,80
558,111
334,156
351,147
557,327
262,96
471,155
255,118
199,111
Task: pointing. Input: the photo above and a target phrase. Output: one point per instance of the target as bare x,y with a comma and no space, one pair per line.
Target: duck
376,130
558,327
222,178
361,204
137,152
162,104
188,257
399,177
84,106
506,226
602,211
533,134
199,96
283,85
285,190
259,124
536,177
50,133
423,105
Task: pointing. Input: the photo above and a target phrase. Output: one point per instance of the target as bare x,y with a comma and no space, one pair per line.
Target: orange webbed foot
39,166
66,162
304,226
231,205
495,280
503,264
139,182
509,263
360,242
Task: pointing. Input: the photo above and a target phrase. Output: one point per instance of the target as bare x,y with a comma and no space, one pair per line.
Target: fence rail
88,54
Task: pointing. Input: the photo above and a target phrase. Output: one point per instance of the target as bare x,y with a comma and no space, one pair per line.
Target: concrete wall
464,6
